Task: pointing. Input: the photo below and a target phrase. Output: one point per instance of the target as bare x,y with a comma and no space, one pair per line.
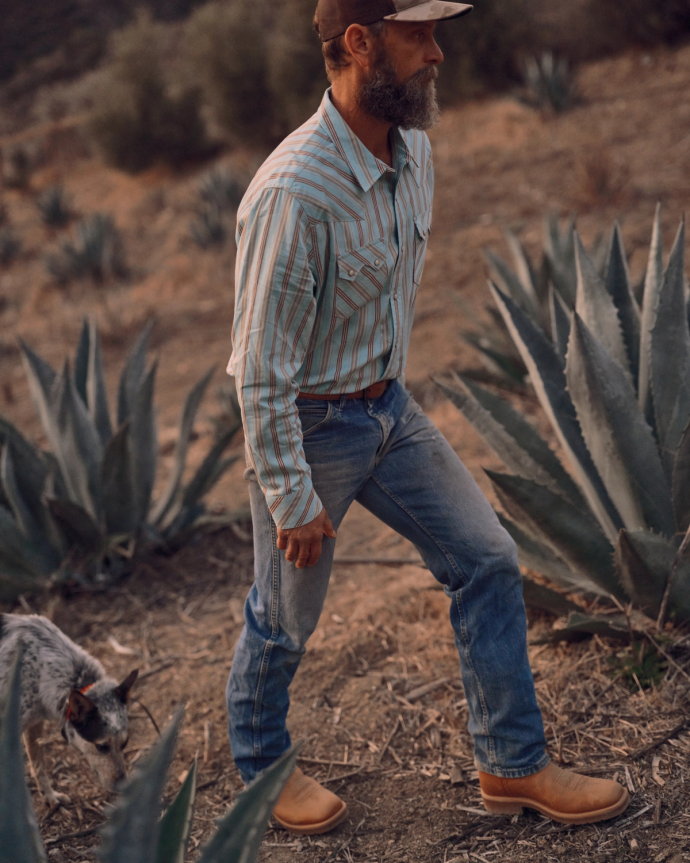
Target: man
332,235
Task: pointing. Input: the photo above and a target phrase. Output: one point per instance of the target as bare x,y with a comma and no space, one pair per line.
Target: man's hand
303,544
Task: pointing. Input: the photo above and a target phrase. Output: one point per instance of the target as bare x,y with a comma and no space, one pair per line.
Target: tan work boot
559,794
308,808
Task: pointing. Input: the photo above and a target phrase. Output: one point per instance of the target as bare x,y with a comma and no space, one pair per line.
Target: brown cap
335,16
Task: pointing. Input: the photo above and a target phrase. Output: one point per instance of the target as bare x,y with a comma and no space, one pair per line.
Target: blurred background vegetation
178,71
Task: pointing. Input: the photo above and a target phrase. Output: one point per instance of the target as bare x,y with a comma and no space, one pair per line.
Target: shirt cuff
295,510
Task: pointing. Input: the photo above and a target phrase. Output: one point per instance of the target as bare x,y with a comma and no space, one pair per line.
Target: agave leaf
76,525
117,483
20,558
617,436
543,598
97,399
681,482
548,380
495,361
580,626
511,437
560,256
568,530
81,362
31,468
239,834
176,824
652,289
42,379
560,322
595,306
189,412
619,286
511,284
132,374
523,268
670,355
144,444
79,450
20,840
541,558
131,835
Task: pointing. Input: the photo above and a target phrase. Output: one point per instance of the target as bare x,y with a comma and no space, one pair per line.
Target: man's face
400,88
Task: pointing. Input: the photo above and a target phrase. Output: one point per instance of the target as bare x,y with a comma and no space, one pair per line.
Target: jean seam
458,571
265,659
515,773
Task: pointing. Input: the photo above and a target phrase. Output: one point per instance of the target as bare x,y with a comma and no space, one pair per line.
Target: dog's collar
83,690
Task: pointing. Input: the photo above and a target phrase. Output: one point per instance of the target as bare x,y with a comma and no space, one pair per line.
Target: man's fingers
328,528
315,553
303,557
293,546
282,541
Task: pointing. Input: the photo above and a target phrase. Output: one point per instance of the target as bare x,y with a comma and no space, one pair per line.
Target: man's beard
410,105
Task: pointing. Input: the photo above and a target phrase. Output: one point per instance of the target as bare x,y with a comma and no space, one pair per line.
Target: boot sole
314,829
515,805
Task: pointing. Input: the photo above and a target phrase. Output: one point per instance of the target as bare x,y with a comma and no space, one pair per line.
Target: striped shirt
330,251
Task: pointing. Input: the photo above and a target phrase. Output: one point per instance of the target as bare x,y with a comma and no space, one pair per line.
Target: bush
550,84
137,120
96,253
84,509
54,207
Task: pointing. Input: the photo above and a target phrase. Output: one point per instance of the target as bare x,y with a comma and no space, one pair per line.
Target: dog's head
98,726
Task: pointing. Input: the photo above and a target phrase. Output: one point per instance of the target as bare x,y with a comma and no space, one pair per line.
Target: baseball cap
335,16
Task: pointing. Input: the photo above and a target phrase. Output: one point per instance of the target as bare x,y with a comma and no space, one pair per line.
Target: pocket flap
422,223
371,256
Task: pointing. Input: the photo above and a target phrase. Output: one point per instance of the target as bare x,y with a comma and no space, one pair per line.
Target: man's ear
80,707
359,41
122,691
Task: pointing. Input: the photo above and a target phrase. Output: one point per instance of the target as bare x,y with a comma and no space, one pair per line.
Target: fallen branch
78,834
421,691
650,747
390,737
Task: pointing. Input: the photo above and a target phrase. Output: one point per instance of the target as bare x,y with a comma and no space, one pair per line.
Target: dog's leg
37,761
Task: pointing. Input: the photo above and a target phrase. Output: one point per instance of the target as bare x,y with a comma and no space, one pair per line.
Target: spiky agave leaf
620,441
81,361
20,841
512,285
97,399
41,378
189,412
176,824
117,483
681,482
511,437
580,626
76,524
22,563
239,834
543,598
619,286
560,322
669,347
524,268
568,530
548,379
133,373
131,835
31,471
144,439
596,308
559,251
652,288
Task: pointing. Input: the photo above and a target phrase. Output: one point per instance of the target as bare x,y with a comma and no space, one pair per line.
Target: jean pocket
313,414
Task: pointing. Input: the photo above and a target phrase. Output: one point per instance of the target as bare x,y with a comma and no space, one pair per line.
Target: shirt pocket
361,276
422,225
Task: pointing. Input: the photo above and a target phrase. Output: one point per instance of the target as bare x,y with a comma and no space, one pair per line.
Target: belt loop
342,402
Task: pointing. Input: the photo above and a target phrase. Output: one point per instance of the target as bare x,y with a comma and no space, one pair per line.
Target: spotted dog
61,683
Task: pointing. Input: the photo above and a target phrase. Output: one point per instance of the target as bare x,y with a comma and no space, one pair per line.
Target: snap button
395,296
377,262
351,273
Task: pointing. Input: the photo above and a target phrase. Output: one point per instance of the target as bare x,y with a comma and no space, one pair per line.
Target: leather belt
372,392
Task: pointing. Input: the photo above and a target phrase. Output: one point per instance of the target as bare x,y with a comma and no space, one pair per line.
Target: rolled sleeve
275,310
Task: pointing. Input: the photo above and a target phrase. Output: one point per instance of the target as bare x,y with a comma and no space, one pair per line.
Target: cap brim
432,10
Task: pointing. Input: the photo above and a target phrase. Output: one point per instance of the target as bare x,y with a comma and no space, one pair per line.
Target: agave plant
209,228
95,253
135,832
85,508
614,381
550,83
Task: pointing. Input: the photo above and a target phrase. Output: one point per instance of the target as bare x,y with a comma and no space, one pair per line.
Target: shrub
135,832
85,508
54,207
10,246
137,120
96,253
613,380
221,191
550,83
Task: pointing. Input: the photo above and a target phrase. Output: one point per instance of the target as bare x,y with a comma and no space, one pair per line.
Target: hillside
624,147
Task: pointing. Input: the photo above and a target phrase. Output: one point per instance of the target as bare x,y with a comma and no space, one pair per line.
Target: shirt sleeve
275,309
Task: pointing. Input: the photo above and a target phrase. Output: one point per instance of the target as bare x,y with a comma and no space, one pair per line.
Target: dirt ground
402,760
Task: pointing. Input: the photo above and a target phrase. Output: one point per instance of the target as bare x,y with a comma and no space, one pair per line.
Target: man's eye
103,748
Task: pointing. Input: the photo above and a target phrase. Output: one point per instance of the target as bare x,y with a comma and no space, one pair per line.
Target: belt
372,392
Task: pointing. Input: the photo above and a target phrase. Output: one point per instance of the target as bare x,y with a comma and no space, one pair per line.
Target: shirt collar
365,167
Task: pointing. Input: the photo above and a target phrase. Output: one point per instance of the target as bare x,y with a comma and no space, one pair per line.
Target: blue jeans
388,455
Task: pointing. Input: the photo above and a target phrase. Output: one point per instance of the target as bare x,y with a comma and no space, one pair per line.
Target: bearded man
332,235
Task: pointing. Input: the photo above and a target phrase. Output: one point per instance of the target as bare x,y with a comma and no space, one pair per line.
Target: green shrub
613,381
135,832
221,192
96,253
137,121
84,510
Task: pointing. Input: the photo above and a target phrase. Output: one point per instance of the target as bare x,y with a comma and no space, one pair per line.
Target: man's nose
435,54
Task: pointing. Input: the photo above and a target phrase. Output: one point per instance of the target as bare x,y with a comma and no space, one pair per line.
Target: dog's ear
122,691
81,708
